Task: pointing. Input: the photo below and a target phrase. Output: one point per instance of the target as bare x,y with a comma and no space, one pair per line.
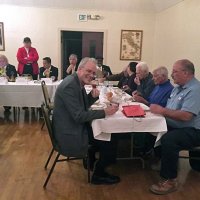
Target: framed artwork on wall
2,40
131,45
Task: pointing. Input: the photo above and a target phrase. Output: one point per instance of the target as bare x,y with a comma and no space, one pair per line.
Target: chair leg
49,158
88,168
43,125
51,171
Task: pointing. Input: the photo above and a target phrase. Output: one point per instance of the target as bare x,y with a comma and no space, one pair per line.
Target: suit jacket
71,116
10,70
33,56
146,86
129,80
53,72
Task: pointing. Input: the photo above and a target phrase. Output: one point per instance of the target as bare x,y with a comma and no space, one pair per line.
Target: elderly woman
6,69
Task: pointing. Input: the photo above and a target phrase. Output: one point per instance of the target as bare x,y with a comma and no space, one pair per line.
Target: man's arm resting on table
173,114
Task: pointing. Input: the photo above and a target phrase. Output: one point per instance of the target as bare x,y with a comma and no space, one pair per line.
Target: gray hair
143,66
73,55
85,60
4,58
161,71
187,65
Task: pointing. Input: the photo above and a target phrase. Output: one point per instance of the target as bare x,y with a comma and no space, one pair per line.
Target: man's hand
137,80
47,73
125,88
139,99
95,92
157,109
112,109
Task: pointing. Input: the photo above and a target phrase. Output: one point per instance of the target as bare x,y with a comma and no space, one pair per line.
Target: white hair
161,71
143,67
85,60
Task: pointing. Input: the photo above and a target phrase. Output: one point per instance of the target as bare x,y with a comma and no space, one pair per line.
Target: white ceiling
108,5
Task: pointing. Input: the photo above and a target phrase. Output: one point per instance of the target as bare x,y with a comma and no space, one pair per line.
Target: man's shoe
105,179
165,186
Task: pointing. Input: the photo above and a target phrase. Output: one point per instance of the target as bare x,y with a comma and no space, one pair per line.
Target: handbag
133,111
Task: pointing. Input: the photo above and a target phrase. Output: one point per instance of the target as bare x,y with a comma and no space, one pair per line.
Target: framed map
131,45
2,41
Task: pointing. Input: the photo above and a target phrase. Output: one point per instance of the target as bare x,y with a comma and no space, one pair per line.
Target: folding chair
56,147
47,100
194,158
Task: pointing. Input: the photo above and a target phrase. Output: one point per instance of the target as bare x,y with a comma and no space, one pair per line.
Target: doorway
81,43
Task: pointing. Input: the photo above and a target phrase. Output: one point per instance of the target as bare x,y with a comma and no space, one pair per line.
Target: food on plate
109,96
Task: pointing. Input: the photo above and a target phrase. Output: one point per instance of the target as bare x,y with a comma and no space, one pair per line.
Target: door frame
104,31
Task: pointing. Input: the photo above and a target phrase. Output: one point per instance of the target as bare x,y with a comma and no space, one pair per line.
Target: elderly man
48,70
144,81
72,117
7,69
183,118
72,64
162,90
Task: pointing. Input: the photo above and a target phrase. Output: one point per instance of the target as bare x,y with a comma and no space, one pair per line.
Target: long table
25,94
119,123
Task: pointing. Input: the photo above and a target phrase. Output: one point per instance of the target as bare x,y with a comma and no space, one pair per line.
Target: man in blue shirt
162,90
183,118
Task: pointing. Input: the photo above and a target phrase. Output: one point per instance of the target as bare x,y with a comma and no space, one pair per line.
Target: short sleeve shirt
186,98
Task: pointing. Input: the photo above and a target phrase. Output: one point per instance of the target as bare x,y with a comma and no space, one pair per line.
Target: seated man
72,117
6,69
48,70
127,81
106,71
162,90
144,81
182,113
73,59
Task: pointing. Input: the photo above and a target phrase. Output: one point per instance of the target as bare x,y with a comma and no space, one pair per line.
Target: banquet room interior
170,32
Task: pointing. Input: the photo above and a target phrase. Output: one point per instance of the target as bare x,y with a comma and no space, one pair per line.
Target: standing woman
27,57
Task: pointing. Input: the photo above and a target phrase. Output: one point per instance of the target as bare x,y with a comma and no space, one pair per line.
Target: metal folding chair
56,148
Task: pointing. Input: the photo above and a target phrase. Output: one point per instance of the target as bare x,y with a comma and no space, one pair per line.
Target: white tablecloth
25,95
119,123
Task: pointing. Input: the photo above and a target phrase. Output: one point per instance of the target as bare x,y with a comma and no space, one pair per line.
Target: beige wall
178,34
43,26
169,35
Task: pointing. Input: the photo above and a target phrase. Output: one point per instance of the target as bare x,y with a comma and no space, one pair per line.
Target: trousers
172,143
107,152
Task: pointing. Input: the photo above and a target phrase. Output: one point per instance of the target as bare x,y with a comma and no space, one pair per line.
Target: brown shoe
165,186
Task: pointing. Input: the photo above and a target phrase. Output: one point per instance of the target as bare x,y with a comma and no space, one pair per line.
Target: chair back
47,99
48,122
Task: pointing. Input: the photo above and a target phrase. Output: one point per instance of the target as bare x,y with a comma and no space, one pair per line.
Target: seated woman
161,91
127,80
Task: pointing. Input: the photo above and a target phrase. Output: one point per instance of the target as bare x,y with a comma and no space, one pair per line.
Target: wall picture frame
2,40
131,45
